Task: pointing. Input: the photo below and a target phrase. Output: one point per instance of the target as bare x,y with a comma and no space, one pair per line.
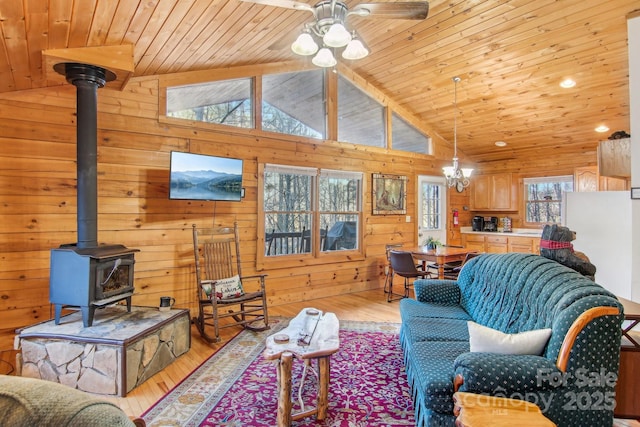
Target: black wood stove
85,274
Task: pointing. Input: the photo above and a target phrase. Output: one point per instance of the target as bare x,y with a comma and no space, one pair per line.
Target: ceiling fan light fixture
304,45
324,58
355,50
337,36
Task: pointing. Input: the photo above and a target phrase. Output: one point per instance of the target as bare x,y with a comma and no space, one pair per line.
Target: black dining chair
403,265
451,270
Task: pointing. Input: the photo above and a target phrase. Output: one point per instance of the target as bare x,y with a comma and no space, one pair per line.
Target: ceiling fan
329,25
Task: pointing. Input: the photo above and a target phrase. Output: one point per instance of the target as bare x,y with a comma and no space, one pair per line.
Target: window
288,204
294,225
431,199
360,118
543,198
407,138
431,208
293,103
339,209
227,102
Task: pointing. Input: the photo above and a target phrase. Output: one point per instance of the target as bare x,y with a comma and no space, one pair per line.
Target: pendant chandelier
456,176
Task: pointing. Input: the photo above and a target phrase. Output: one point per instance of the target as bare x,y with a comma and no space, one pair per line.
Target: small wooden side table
310,335
627,387
477,410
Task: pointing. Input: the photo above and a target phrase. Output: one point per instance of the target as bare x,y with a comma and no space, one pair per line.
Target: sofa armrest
437,291
505,374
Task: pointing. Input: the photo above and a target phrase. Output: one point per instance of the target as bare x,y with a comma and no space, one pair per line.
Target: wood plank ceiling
511,56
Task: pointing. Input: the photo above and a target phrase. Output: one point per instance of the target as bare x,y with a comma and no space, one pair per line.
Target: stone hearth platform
118,352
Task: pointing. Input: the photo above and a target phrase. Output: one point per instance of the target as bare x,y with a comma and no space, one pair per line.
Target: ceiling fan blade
399,10
289,4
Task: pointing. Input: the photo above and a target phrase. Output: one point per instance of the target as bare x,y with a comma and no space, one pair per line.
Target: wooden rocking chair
223,292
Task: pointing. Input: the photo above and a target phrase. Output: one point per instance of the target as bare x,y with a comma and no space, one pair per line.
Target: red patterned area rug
237,387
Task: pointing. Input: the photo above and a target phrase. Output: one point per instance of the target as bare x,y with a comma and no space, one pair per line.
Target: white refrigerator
602,223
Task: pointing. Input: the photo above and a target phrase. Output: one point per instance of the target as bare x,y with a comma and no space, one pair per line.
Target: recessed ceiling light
567,83
602,128
500,144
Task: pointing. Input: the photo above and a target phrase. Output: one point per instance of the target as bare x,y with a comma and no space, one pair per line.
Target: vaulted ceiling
510,56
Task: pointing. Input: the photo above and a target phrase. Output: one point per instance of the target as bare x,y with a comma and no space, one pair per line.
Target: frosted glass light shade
324,58
448,171
466,172
355,50
337,36
304,45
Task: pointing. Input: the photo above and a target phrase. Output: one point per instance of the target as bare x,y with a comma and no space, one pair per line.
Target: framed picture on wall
389,195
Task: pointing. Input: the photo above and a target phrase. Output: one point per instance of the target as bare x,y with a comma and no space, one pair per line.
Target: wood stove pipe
87,79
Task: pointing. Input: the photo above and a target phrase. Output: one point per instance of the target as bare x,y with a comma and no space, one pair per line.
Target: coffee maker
490,223
477,224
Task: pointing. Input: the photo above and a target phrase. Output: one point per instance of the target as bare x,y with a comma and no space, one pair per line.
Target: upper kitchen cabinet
614,158
495,192
587,178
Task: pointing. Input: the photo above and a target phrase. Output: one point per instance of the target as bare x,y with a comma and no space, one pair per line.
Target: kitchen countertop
517,232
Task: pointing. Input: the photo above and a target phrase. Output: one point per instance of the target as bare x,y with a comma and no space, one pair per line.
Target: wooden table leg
323,387
284,396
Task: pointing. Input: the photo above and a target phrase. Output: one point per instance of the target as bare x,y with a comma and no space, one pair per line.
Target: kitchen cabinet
500,243
474,242
614,158
613,184
522,244
587,178
536,246
495,192
496,244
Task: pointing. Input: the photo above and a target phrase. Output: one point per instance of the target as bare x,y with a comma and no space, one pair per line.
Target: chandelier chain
456,177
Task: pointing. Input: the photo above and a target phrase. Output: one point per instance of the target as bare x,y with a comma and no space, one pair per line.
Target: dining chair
451,270
403,265
388,269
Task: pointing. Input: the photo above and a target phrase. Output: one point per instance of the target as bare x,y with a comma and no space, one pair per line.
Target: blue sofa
572,380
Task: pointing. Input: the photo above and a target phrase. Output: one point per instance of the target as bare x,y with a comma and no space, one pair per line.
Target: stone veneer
120,351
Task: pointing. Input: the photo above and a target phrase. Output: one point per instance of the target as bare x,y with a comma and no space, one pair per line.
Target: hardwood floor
363,306
368,305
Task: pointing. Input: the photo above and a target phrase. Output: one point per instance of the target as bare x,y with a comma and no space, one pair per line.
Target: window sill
289,261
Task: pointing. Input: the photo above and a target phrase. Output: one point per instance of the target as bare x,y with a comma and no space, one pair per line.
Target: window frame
396,121
316,255
241,82
441,232
541,180
256,72
263,102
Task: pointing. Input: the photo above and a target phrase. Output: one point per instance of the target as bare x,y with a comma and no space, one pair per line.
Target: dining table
441,256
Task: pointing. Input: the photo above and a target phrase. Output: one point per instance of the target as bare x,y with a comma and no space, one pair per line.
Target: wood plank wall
38,195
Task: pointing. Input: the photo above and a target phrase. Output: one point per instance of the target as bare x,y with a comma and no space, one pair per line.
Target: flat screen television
204,177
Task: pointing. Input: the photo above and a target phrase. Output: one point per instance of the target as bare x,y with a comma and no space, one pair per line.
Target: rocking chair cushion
228,288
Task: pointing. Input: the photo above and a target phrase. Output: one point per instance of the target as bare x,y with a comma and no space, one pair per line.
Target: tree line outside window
544,198
294,223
